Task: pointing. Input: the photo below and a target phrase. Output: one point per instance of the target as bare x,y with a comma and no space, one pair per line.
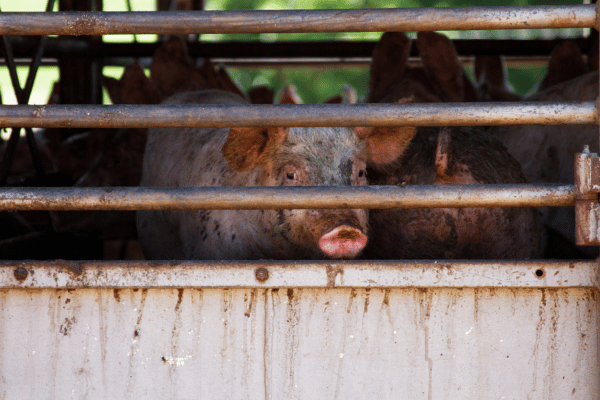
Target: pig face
307,157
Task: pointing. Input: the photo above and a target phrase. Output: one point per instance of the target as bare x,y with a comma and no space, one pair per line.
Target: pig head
450,156
252,157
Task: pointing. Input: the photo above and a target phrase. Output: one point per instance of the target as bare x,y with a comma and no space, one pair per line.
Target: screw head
21,274
261,274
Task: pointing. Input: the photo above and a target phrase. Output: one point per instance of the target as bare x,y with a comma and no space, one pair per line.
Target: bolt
21,274
261,274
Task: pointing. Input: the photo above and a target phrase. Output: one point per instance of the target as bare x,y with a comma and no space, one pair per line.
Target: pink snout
343,242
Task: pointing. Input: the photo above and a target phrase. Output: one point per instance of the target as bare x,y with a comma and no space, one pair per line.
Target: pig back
186,157
453,233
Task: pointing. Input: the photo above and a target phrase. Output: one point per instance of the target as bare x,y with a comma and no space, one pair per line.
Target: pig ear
172,70
261,95
136,88
490,75
226,83
389,63
289,95
566,62
334,100
441,64
489,69
347,96
207,71
246,148
385,145
113,87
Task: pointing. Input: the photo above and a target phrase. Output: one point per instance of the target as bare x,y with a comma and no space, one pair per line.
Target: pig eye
291,176
362,173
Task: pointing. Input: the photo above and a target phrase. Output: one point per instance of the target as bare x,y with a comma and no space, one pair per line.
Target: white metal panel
348,343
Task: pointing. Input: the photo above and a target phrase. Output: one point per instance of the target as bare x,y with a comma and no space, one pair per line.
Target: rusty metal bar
246,198
304,21
23,47
172,116
61,274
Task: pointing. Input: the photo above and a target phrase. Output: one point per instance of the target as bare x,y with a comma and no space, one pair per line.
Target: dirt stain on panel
332,272
249,304
366,307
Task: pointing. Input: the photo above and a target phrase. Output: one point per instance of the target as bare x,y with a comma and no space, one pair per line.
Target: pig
172,71
252,157
435,156
546,153
566,62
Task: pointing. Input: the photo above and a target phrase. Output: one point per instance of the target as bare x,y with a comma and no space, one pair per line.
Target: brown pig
440,156
450,156
252,157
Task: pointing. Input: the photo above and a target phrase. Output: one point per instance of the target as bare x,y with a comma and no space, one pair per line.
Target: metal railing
247,198
93,23
304,21
315,115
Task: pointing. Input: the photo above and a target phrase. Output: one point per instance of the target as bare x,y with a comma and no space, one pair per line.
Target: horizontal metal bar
304,21
316,115
290,62
23,46
319,197
62,274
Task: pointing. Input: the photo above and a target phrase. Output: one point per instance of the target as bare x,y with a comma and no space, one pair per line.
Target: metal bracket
587,208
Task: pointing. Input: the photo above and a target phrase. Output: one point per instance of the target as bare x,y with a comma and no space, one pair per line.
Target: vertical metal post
586,201
80,76
586,173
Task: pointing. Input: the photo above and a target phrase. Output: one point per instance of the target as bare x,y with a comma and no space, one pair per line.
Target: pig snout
340,236
343,242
